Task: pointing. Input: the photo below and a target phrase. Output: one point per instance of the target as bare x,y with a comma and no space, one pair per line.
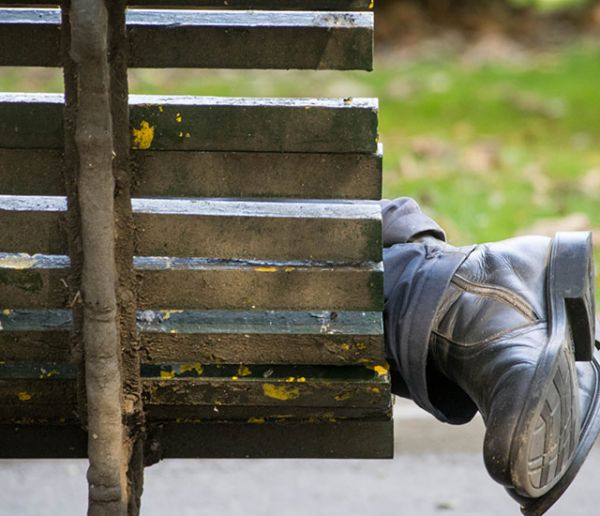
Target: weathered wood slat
42,441
30,282
191,391
257,174
251,337
208,337
195,284
358,439
169,38
258,230
23,400
305,5
207,123
31,172
284,5
211,174
292,230
341,439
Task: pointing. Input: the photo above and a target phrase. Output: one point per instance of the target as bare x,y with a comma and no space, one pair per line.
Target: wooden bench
251,246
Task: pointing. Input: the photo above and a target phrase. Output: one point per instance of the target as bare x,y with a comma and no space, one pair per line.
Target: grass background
492,140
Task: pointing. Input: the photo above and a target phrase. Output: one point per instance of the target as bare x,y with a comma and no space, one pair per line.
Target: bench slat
170,38
39,281
228,229
284,5
207,123
211,174
208,337
357,439
48,391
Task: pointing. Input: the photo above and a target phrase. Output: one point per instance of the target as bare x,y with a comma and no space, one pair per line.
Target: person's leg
497,328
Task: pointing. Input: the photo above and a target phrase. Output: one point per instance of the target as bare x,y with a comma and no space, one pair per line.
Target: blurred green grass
490,146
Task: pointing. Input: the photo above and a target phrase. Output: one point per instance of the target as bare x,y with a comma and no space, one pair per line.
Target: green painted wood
209,337
257,174
28,282
340,439
261,125
206,285
207,123
33,281
169,38
258,230
253,337
357,439
211,174
31,172
303,5
37,400
47,391
226,229
42,441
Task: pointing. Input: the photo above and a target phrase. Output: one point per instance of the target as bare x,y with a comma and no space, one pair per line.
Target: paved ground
437,471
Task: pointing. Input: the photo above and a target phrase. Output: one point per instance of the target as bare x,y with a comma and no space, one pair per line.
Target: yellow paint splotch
167,375
142,137
24,396
265,269
166,314
382,370
244,371
343,396
196,367
18,261
281,392
256,420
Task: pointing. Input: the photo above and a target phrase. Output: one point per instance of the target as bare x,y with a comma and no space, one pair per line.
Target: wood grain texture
226,229
211,174
207,123
28,282
359,439
211,337
170,38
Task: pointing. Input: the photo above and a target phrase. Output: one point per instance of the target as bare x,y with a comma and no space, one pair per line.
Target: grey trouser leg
415,275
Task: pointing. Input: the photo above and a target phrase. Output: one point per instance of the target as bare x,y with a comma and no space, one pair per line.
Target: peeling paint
178,118
166,314
343,396
197,368
265,269
24,396
142,137
7,311
244,371
18,261
281,392
167,375
382,369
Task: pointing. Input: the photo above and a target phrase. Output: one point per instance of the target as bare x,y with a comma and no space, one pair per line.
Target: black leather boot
506,329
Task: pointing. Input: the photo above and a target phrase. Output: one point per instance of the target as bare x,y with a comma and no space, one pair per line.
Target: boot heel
571,281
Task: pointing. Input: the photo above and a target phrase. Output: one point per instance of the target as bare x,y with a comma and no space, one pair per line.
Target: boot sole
549,435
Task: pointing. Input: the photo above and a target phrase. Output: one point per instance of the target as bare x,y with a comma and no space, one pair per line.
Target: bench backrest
257,253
